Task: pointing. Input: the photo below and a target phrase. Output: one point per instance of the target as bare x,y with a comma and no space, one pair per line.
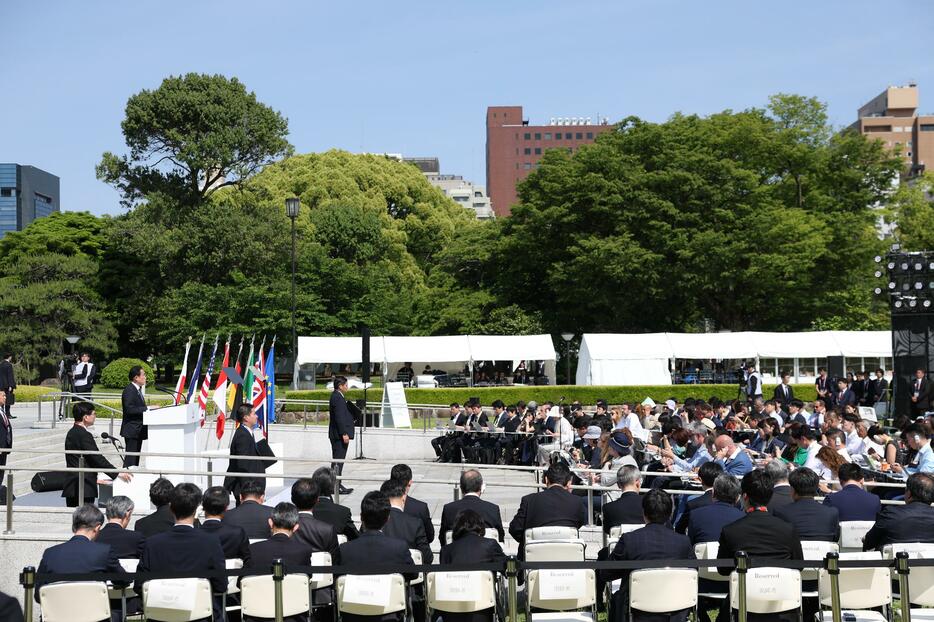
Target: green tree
912,211
64,233
191,136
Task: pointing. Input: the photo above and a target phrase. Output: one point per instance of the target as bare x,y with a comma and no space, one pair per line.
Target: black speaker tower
365,375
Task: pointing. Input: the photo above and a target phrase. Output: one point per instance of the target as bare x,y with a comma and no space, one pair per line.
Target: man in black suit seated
312,532
708,473
233,538
627,510
853,502
134,405
654,541
374,549
82,554
283,524
707,522
251,514
912,522
471,485
185,548
418,509
812,520
554,506
404,526
778,471
244,443
160,495
469,546
10,611
761,535
326,510
79,438
126,543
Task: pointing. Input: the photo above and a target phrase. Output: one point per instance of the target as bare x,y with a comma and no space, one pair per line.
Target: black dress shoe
346,491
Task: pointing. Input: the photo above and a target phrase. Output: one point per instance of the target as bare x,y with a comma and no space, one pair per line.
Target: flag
196,376
258,388
271,385
180,385
206,385
232,389
220,392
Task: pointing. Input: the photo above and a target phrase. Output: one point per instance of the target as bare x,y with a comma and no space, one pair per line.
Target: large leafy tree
64,233
191,136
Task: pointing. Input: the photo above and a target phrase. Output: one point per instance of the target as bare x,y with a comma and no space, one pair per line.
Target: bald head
725,442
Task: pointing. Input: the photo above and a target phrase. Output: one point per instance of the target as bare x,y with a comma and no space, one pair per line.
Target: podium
173,429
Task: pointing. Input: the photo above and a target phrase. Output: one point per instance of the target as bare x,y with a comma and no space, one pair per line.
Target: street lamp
292,206
567,353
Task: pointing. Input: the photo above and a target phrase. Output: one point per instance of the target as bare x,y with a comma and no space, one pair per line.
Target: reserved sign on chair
178,594
560,584
367,589
457,586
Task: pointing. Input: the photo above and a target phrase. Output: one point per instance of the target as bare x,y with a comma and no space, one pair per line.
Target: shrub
117,373
31,393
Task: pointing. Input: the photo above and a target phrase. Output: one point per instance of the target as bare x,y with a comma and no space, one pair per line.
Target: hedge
117,373
30,393
587,395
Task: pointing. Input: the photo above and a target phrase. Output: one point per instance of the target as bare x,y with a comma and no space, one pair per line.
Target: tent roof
512,347
447,349
791,345
616,346
712,345
869,343
337,350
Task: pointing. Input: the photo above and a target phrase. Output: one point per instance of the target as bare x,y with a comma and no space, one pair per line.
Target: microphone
171,392
109,438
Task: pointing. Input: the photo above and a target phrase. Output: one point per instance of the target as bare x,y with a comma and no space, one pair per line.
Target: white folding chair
663,590
128,564
417,560
85,601
341,539
920,578
618,530
460,592
555,551
255,540
852,533
489,532
358,599
768,590
319,581
562,593
258,596
551,533
709,550
232,587
162,611
861,590
815,550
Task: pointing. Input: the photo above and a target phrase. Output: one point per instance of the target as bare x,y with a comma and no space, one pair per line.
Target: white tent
795,345
624,359
421,351
866,343
711,345
515,348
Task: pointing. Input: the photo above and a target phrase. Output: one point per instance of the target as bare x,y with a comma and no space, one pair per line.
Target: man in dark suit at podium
134,405
340,428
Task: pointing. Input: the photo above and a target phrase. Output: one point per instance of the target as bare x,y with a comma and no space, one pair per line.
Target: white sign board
395,409
457,586
176,594
560,584
367,589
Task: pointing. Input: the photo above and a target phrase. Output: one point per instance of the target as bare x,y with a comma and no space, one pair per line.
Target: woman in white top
616,453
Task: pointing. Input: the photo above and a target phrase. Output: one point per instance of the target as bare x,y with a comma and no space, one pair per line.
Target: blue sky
416,77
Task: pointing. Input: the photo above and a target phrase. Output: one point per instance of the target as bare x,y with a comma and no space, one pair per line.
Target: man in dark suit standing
823,386
340,427
6,434
7,384
844,394
233,538
404,526
707,522
880,388
654,541
912,522
418,509
326,510
160,495
554,506
853,502
471,485
251,515
134,405
812,520
627,510
185,548
244,443
708,473
126,543
79,439
282,544
784,393
920,394
316,534
781,489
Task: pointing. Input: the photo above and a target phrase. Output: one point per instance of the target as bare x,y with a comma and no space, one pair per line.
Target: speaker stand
360,455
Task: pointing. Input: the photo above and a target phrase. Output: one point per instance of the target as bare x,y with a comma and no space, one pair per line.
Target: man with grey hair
627,510
126,543
781,489
705,524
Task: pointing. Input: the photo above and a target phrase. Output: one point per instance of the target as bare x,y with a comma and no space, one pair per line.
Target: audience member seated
919,443
233,538
811,520
404,526
627,510
185,548
554,506
853,502
160,494
413,506
706,522
126,543
778,471
471,485
282,544
10,611
326,510
912,522
251,515
468,546
312,532
731,456
708,473
654,541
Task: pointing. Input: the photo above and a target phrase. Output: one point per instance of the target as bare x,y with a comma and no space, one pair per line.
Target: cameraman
753,382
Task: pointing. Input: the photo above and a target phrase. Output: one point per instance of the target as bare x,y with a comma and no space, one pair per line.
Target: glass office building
26,193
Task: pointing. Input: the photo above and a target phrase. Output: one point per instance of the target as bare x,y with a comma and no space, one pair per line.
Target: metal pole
304,416
278,574
294,339
27,579
80,481
742,567
40,409
512,573
210,470
589,506
832,564
457,492
901,567
9,503
567,356
337,490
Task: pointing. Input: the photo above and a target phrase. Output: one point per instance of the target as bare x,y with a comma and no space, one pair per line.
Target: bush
117,373
30,393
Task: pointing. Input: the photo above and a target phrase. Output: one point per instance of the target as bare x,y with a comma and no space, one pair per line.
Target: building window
538,151
528,136
927,127
547,135
538,136
580,135
589,135
527,151
6,192
527,166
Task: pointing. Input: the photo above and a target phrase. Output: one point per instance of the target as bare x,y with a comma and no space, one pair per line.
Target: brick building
892,117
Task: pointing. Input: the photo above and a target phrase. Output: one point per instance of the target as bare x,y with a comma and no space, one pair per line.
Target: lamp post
292,206
567,354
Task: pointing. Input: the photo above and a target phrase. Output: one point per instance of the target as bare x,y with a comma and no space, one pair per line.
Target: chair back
460,592
491,533
129,564
709,550
551,533
816,550
233,564
852,533
320,580
85,601
768,590
860,588
177,600
371,595
255,540
341,539
663,590
258,596
920,578
618,530
562,590
555,551
417,560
